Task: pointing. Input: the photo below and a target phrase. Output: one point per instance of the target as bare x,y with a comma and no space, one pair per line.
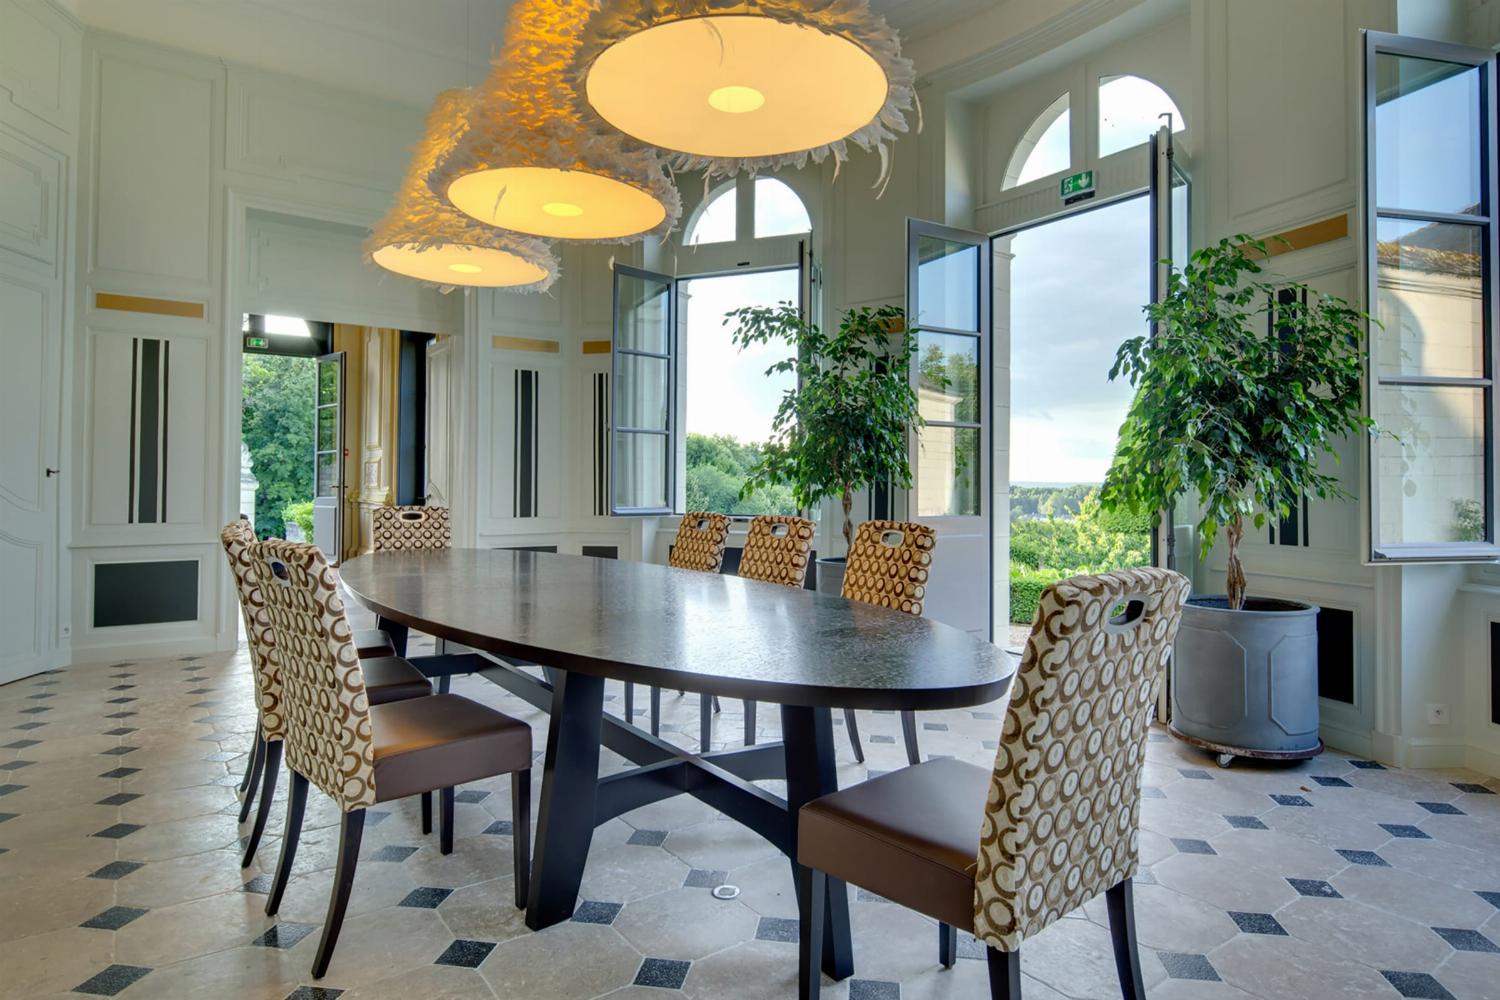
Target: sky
727,391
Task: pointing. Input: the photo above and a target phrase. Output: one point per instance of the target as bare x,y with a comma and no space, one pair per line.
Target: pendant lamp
759,84
527,162
423,237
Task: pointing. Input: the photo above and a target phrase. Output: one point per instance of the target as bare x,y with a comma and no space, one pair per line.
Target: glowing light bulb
465,268
735,99
562,209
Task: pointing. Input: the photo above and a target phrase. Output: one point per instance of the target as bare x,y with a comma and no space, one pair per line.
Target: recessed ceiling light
736,100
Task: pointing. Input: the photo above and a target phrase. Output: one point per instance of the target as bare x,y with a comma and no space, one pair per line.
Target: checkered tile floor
120,876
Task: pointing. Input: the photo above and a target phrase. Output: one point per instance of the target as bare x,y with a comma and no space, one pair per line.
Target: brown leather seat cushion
373,642
390,678
443,740
911,835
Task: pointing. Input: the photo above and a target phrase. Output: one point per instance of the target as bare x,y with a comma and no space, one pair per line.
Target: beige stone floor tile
568,961
40,905
485,912
177,933
52,962
1277,968
433,982
685,924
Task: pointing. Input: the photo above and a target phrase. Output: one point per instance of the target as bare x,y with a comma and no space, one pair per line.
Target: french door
1168,193
328,457
948,282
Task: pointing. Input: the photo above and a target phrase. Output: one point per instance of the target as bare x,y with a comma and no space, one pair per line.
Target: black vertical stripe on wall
150,431
1495,673
601,444
166,395
135,379
525,462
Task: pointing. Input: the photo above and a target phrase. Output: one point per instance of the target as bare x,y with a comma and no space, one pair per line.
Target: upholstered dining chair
402,529
1007,852
777,550
360,753
386,676
699,545
887,566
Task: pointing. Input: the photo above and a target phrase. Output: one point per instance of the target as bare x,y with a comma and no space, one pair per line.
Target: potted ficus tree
1241,390
844,426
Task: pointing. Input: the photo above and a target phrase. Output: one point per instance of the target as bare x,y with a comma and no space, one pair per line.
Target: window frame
670,432
1382,43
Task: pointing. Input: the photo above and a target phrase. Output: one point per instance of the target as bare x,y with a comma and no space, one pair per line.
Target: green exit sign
256,343
1076,187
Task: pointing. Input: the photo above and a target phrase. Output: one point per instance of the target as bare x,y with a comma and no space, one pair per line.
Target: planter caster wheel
1224,760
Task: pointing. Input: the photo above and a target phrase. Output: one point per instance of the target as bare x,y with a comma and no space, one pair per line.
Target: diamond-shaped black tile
392,852
21,744
471,795
1291,800
592,911
426,897
1367,765
34,710
375,817
666,973
8,816
119,731
16,765
466,954
120,772
1185,965
499,828
704,878
122,687
1442,808
1369,858
112,980
284,935
1195,774
1463,939
1187,845
1257,923
648,838
1152,792
1404,831
118,799
874,989
29,725
7,789
200,690
882,738
122,700
119,751
117,831
1493,898
260,883
1417,985
1328,781
314,993
935,727
114,918
1314,887
777,929
120,715
1470,788
117,870
1245,822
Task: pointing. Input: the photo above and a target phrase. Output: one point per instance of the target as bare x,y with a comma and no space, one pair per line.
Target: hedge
1026,586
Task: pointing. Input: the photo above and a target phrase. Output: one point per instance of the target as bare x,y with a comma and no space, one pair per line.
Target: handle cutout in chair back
413,515
1132,611
701,524
892,538
282,575
780,529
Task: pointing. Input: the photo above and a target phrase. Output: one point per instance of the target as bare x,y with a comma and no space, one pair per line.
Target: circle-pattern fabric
410,527
700,542
327,735
237,537
888,565
777,556
1062,823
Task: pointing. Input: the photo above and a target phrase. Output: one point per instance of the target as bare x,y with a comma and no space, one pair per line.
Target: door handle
53,472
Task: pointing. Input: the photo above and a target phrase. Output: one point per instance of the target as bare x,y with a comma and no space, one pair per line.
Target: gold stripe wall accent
1335,227
536,346
144,304
595,346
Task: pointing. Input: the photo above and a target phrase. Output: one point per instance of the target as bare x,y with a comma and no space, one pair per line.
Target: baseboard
153,649
1486,762
1422,752
1353,741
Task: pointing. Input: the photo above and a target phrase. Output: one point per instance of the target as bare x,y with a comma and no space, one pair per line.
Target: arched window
715,221
1045,148
1130,110
778,210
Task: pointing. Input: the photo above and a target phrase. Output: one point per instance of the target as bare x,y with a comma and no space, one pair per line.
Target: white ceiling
401,50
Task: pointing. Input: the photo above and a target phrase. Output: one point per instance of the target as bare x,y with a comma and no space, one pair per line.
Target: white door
30,391
437,465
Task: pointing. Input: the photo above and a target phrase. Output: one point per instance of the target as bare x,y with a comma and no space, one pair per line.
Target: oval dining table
586,620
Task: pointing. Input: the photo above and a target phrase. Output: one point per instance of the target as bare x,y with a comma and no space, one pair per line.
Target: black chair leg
749,723
812,895
445,821
1005,974
296,804
1120,901
909,734
630,703
520,834
852,724
445,684
717,706
255,750
343,883
257,762
656,711
272,768
947,945
426,812
705,724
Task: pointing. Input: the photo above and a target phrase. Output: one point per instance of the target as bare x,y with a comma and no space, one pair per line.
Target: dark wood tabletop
681,629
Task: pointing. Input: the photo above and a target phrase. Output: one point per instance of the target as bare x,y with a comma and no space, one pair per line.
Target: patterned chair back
327,712
237,537
700,542
888,565
410,528
1063,819
777,550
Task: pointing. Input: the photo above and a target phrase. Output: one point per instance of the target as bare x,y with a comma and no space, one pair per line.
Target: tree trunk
847,496
1233,532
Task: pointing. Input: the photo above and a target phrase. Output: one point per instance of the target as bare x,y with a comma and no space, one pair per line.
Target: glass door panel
642,437
328,458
